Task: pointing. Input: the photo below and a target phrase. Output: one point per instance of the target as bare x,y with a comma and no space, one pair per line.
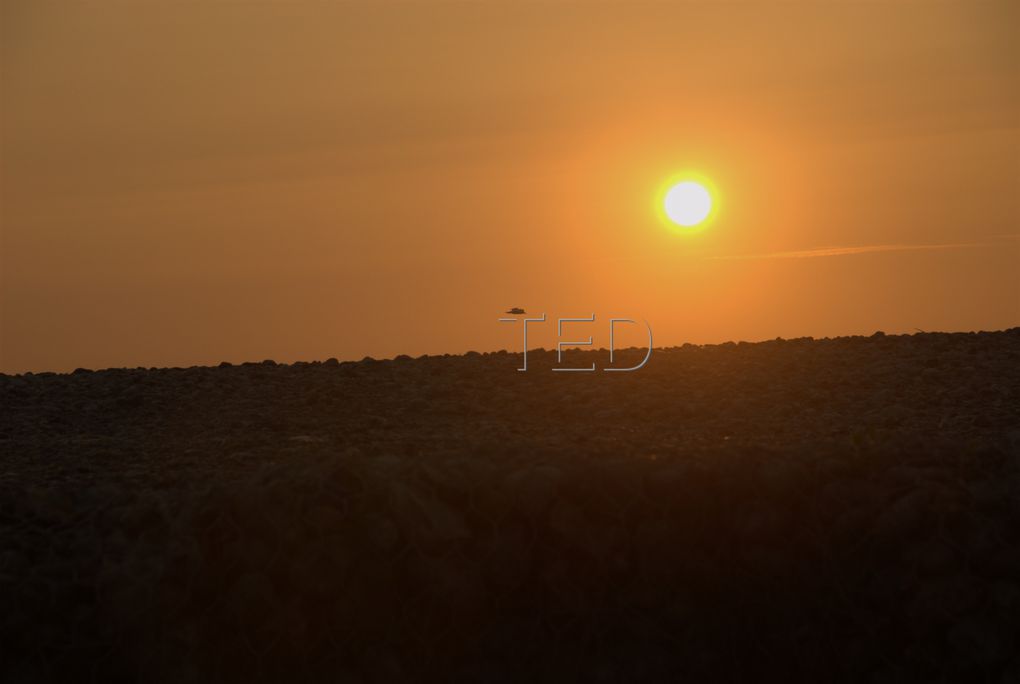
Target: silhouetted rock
835,509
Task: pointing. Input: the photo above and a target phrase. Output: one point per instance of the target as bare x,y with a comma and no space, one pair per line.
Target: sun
687,203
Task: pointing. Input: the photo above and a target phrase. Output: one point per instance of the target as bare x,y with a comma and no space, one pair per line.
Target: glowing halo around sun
687,202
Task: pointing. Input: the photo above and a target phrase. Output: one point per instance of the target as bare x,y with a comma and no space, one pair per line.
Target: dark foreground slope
827,510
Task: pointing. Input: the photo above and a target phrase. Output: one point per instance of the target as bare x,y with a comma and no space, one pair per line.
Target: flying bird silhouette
516,310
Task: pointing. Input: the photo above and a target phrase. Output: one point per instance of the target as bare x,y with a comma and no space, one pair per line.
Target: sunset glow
281,192
510,341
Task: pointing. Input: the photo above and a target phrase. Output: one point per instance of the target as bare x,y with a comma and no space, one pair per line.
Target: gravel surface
812,510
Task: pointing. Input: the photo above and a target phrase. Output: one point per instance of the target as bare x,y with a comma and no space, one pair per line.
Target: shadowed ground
843,509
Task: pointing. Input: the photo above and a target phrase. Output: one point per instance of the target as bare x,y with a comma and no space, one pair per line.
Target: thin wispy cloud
847,251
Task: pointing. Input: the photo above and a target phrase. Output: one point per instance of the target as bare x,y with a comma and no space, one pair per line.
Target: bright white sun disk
688,203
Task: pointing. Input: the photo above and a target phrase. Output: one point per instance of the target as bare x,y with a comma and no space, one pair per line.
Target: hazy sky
184,182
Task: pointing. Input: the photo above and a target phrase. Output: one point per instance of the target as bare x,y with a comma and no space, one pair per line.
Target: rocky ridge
837,509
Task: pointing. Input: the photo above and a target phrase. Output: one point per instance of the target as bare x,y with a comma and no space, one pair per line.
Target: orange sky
184,183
